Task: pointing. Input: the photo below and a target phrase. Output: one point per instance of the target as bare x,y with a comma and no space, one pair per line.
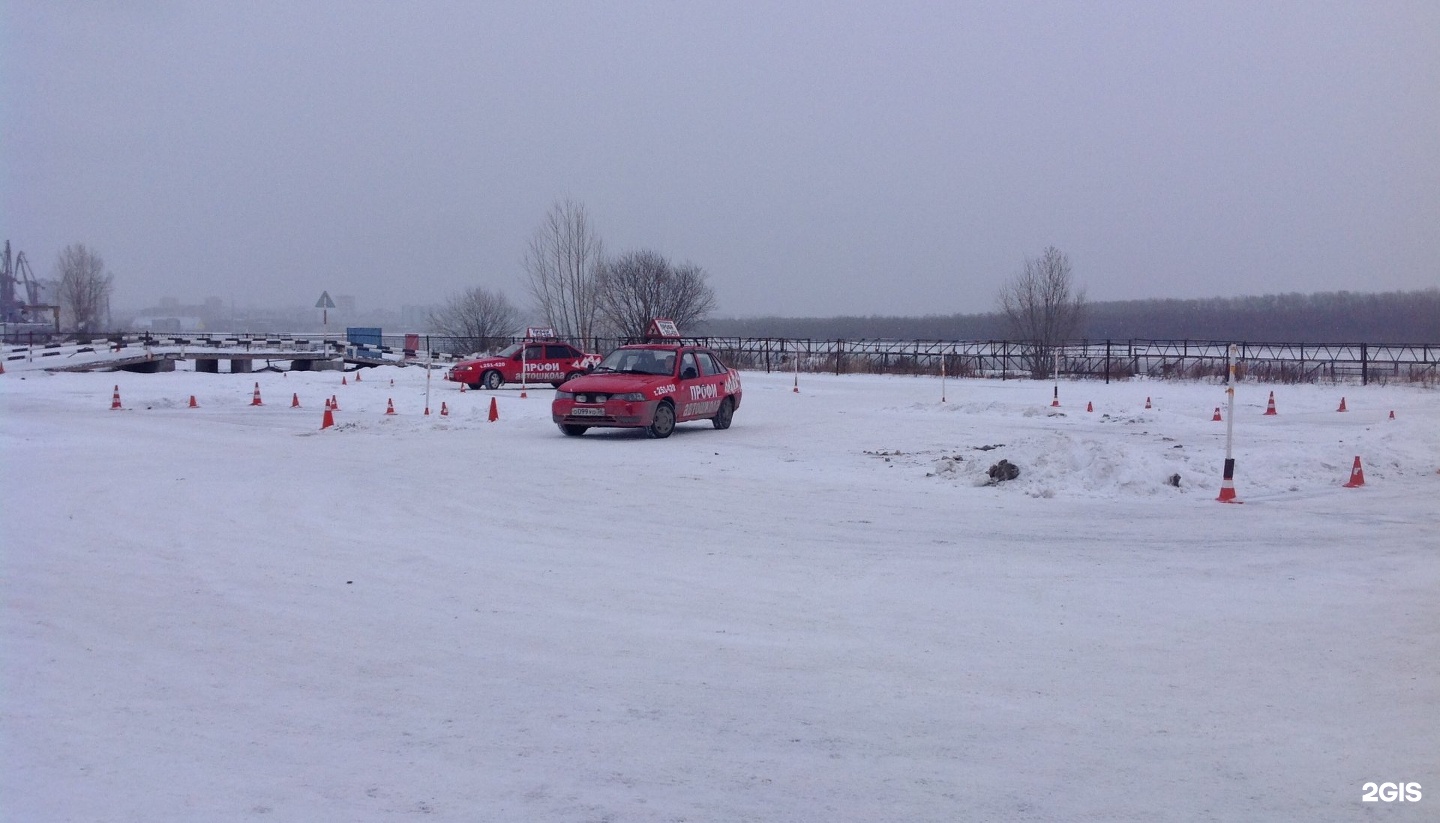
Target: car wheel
492,380
663,422
572,375
476,385
573,431
722,418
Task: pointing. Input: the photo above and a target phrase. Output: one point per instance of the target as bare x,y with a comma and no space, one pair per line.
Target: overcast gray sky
815,158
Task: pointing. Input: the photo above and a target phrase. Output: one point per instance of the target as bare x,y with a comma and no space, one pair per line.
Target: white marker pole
1227,484
942,375
796,357
429,359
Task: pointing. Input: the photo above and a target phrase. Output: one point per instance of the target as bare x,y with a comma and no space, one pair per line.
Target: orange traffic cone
255,401
523,395
462,388
494,411
1392,414
295,400
344,381
1270,406
392,382
1357,475
1217,418
357,377
193,404
1089,407
427,411
1342,405
1227,484
444,410
389,406
1147,402
1056,402
328,420
115,399
334,403
2,367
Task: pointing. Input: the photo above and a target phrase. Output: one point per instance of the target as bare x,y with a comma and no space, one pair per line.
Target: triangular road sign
324,302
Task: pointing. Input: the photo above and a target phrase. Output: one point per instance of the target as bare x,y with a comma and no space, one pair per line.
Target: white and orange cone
1357,475
444,410
115,400
1217,418
193,404
295,400
328,420
255,401
1227,484
389,406
1270,406
1342,405
1147,402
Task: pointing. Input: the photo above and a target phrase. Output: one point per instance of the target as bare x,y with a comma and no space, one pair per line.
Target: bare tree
639,286
474,320
1043,306
84,288
561,263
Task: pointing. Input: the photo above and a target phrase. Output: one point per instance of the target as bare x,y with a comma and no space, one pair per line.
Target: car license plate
584,412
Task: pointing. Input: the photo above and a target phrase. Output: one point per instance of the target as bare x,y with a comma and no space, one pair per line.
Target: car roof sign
540,333
662,329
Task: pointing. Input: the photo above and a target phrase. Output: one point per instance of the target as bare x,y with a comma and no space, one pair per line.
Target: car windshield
508,350
639,361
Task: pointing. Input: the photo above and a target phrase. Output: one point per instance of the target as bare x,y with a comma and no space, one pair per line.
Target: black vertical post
1107,362
1364,364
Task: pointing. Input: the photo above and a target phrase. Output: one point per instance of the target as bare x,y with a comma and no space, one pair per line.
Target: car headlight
564,395
631,397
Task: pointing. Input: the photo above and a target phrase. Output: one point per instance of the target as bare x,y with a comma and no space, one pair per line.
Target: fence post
1364,365
1107,361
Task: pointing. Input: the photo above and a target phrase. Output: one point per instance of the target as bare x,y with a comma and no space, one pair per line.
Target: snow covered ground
223,613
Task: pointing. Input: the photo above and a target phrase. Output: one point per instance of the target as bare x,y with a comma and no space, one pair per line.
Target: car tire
492,380
573,430
663,421
572,375
722,418
476,385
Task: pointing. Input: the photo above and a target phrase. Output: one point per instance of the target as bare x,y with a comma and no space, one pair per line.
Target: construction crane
17,309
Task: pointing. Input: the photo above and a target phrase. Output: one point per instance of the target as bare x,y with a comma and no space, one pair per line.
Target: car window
559,352
688,369
534,352
709,364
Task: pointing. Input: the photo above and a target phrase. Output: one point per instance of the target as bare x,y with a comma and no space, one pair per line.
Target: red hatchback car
534,361
649,386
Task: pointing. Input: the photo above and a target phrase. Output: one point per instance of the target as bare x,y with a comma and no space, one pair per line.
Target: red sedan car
649,386
534,361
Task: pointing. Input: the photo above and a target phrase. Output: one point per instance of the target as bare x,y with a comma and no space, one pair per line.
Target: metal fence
1003,359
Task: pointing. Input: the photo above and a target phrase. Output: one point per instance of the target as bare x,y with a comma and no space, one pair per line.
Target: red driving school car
651,385
539,361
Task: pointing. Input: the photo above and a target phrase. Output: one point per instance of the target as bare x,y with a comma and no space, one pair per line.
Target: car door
699,393
530,359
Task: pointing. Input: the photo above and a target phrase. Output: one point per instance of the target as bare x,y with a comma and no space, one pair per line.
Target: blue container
363,336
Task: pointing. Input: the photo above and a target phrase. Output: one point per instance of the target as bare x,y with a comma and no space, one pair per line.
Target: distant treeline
1327,317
